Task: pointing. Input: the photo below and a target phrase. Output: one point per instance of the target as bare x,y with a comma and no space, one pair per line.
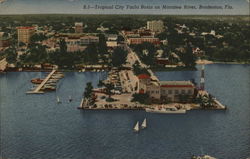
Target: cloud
72,0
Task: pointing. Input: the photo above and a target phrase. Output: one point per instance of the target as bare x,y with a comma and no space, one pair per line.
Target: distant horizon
126,14
9,7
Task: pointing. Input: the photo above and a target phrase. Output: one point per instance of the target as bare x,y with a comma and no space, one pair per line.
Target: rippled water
35,126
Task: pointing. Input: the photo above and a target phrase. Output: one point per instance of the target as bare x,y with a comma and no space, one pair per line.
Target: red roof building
143,76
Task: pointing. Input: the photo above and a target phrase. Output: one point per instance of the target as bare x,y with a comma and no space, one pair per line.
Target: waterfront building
171,91
155,26
78,27
25,33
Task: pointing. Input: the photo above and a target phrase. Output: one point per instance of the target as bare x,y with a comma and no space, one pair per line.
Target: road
132,58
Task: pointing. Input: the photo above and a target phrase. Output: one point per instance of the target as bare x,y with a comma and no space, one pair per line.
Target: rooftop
25,27
143,76
176,84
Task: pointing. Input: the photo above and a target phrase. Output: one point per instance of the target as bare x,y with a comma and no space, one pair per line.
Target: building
78,42
4,41
155,26
112,44
140,40
102,29
171,91
112,37
25,33
78,27
112,41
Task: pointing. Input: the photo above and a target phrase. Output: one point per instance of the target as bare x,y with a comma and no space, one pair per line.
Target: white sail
58,100
144,123
136,128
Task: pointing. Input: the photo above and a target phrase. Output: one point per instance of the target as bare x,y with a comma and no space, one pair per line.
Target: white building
165,90
155,26
78,27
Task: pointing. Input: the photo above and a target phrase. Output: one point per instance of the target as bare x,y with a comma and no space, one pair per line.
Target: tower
202,82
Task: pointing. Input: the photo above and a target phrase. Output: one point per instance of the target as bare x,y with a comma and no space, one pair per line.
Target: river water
36,127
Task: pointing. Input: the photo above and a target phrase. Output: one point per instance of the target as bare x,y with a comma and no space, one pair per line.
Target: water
35,126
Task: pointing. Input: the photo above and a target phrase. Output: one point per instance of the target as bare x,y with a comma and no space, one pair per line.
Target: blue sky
240,7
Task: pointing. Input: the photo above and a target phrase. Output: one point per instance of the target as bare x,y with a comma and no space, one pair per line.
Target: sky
239,7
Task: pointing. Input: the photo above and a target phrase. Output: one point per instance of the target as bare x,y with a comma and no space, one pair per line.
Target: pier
3,65
38,88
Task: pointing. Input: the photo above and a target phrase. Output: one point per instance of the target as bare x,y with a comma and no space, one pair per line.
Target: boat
203,157
37,80
70,99
166,110
58,100
136,128
48,88
144,124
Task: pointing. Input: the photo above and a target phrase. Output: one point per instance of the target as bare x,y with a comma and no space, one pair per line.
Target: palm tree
210,101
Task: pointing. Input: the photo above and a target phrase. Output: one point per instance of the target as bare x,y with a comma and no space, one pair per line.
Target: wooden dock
38,88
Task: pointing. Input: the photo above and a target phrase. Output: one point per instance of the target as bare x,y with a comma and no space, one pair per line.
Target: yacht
203,157
172,110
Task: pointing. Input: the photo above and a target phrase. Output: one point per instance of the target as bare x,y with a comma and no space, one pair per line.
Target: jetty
37,90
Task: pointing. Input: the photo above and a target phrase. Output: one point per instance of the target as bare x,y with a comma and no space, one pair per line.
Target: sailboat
58,100
144,124
136,128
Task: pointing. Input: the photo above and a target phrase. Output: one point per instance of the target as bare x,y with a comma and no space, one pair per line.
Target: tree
90,54
63,46
137,69
102,46
109,88
146,52
11,55
142,98
37,37
188,58
88,91
119,57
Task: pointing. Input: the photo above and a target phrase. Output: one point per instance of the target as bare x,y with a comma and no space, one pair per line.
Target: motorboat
37,80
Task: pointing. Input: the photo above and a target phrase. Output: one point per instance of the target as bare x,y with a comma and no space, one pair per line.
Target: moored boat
166,110
203,157
37,80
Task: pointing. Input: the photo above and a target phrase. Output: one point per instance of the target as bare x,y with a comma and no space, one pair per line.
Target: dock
38,88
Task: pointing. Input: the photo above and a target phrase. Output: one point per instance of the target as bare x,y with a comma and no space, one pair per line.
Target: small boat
166,111
37,80
58,100
203,157
136,128
70,99
144,124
